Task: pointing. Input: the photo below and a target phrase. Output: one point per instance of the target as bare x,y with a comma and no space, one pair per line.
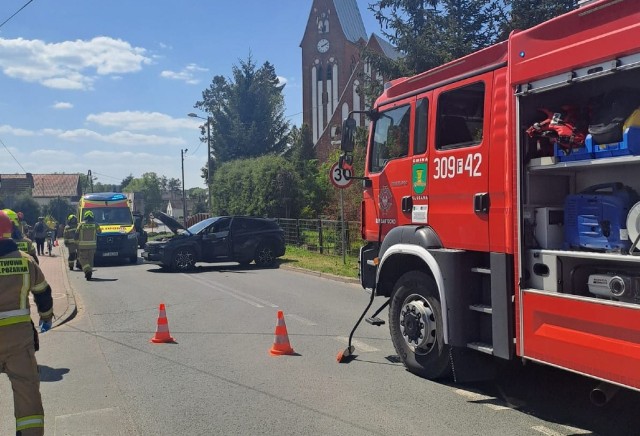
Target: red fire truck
496,224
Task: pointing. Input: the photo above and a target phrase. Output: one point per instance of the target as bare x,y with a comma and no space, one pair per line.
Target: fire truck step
480,270
481,346
481,308
375,321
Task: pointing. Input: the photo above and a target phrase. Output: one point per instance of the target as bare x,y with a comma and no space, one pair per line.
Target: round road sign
341,178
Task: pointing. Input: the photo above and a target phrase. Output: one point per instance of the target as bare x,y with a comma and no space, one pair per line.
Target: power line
104,175
14,158
16,13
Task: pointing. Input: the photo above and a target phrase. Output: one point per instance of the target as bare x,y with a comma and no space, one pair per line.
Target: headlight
132,235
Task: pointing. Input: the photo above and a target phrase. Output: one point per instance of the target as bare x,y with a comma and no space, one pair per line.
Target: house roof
13,184
56,185
350,20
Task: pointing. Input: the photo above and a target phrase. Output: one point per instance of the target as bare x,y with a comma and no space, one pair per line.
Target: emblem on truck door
419,177
385,198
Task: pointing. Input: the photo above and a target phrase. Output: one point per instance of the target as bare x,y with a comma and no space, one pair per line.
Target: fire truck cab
494,221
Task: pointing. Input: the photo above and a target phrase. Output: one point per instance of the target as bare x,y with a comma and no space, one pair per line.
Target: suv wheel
265,255
184,259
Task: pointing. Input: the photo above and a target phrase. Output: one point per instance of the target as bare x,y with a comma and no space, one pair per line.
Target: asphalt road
101,373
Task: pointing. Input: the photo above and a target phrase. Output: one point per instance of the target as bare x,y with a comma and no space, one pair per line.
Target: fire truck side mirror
348,135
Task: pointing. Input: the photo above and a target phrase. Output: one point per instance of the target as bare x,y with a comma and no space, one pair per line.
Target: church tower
330,56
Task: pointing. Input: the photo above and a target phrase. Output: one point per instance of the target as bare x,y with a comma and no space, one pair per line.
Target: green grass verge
301,258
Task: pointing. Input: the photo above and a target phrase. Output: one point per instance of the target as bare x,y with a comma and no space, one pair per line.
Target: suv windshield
197,227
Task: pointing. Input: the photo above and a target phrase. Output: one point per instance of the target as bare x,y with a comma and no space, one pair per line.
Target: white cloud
282,80
187,74
122,137
134,120
62,105
15,132
119,138
69,64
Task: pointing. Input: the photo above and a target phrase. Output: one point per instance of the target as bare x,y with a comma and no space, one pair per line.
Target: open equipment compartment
574,209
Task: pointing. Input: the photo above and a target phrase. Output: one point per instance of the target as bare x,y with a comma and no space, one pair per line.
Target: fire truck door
390,167
458,164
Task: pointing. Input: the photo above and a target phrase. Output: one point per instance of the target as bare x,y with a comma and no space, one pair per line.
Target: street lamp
208,120
184,200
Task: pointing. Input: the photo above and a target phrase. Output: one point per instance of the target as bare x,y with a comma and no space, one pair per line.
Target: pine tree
247,112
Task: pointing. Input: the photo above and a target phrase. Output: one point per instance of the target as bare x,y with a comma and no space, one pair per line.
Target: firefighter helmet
71,217
87,214
12,216
6,226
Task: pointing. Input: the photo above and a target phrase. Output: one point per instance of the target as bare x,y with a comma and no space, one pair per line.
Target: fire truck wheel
415,322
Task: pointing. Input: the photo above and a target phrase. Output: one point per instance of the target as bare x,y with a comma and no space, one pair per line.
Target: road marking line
231,294
359,345
546,430
479,398
235,291
576,430
301,319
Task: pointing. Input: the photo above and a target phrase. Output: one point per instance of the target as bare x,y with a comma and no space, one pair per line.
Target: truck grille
111,242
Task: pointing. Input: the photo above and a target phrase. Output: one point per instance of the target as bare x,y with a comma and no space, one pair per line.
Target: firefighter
24,244
19,274
86,235
69,235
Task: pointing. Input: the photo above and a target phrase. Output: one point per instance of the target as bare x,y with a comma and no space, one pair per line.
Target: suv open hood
170,222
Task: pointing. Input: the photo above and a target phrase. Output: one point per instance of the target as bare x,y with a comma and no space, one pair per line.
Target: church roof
389,50
350,20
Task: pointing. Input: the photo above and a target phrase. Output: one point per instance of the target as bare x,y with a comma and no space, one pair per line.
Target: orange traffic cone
162,330
281,343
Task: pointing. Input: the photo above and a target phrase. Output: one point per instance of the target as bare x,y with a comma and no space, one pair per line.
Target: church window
323,23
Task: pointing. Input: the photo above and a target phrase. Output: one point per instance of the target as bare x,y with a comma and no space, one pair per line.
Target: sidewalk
55,269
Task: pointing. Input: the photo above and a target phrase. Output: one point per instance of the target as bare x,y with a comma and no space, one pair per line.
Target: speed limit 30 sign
340,177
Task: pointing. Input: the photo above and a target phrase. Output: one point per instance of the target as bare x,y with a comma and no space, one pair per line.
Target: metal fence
322,236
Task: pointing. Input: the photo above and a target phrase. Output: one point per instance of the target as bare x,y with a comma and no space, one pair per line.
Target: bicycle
49,241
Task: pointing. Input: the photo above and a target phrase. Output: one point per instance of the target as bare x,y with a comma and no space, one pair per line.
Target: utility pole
184,201
209,120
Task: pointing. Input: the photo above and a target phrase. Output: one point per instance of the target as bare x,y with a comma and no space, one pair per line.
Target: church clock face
323,46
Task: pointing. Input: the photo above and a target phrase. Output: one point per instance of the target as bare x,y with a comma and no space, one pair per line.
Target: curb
321,274
72,309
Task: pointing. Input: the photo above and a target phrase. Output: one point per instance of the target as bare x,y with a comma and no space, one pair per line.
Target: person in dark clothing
39,234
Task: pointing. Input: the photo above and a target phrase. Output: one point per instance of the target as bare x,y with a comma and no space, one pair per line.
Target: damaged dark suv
241,239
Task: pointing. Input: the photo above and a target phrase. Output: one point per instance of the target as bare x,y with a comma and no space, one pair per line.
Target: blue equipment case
630,145
578,153
595,219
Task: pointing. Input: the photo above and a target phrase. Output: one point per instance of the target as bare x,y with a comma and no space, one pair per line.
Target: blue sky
106,85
